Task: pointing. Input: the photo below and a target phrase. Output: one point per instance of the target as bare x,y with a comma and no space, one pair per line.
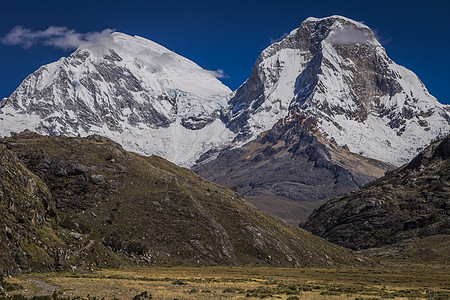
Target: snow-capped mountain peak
133,90
337,18
335,70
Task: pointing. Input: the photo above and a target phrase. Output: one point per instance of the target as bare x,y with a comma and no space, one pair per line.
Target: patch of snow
359,24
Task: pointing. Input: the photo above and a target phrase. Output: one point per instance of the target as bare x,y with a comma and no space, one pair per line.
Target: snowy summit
142,95
336,71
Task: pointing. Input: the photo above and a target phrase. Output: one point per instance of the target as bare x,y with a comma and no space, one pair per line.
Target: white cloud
349,36
54,36
219,73
279,39
380,38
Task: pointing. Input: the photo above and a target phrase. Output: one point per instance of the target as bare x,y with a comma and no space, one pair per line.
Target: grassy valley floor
391,281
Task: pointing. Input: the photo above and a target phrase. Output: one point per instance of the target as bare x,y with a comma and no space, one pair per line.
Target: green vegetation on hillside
114,208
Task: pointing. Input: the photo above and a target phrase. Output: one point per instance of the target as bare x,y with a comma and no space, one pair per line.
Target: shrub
179,282
143,296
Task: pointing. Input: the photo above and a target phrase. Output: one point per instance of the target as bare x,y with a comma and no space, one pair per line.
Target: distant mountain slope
412,202
336,72
140,94
145,210
291,169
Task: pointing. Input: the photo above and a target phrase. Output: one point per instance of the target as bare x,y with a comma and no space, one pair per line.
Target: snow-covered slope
130,89
335,70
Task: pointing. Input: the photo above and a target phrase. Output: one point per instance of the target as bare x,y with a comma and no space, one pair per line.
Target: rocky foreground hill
27,213
409,207
86,202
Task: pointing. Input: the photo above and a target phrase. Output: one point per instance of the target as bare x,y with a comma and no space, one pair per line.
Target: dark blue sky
229,35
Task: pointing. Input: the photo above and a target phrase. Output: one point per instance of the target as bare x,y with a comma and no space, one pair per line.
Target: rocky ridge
411,202
291,169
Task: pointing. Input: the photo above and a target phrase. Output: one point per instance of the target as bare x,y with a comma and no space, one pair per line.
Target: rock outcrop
27,210
409,202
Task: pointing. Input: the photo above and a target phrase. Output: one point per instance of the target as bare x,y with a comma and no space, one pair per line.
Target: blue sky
229,35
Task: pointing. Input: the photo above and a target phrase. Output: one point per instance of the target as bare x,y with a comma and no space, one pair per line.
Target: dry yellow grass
399,282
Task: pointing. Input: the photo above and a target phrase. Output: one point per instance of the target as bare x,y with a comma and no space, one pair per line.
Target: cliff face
27,210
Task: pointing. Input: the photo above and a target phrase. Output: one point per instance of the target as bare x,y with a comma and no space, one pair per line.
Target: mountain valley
127,155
